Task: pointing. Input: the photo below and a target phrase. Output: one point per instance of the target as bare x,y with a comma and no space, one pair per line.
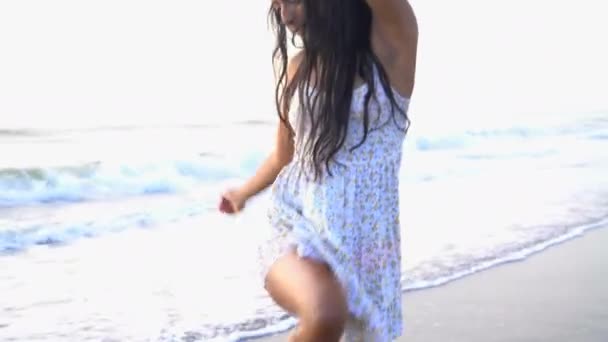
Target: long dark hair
336,49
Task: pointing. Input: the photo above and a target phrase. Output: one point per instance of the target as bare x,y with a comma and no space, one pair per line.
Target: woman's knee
309,290
326,320
327,315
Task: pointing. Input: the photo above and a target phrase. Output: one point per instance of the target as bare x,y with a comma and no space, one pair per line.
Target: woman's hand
232,202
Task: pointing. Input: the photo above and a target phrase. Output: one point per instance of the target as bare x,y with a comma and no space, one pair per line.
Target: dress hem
306,245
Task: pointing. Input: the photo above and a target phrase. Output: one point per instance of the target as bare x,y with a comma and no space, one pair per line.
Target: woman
334,257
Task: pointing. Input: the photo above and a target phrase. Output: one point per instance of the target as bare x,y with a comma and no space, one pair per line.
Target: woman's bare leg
310,291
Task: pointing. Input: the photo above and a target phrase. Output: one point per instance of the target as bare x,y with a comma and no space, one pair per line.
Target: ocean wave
469,138
20,238
109,180
96,181
19,133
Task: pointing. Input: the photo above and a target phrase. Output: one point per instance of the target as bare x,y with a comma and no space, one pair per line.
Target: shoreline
516,298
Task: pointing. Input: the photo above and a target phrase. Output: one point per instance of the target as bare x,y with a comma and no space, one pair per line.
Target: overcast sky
73,63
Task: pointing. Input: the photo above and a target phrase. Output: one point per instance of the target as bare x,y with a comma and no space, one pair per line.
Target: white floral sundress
349,221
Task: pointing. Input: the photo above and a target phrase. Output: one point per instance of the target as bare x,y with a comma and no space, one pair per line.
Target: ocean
110,180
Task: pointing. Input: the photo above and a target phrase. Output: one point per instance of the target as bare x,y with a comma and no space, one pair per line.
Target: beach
124,122
555,295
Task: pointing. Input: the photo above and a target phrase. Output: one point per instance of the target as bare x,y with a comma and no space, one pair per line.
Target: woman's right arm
279,157
272,165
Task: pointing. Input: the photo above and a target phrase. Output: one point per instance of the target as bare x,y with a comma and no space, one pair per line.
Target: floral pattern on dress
350,220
